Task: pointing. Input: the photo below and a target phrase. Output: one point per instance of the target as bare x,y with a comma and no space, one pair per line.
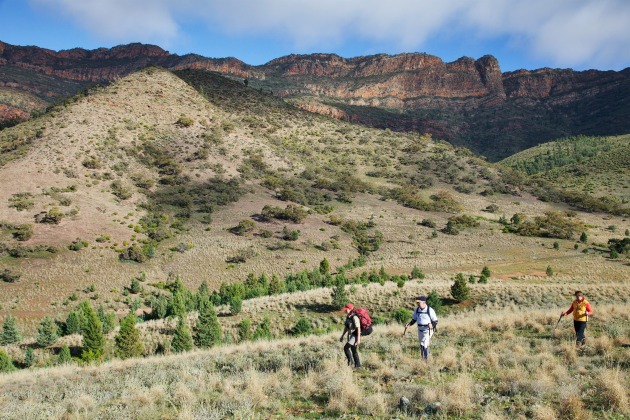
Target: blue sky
529,34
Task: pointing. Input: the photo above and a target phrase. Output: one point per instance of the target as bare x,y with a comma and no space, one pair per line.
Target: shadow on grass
320,308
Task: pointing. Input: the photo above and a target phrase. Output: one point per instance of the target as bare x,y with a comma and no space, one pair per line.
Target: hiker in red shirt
581,309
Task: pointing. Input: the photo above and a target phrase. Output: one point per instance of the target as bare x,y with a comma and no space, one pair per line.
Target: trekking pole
557,323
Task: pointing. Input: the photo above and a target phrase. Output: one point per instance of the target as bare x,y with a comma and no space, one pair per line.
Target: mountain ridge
466,102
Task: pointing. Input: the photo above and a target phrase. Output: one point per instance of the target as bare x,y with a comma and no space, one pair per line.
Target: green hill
584,171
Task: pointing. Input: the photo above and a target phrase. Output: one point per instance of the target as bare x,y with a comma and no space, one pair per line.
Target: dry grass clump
611,387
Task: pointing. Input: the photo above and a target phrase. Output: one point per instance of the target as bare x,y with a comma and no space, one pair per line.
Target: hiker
427,321
581,309
355,330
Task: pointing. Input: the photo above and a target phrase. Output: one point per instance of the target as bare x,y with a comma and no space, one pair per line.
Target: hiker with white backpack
358,323
427,321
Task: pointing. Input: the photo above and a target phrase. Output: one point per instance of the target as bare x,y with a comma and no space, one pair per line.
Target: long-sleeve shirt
581,310
424,317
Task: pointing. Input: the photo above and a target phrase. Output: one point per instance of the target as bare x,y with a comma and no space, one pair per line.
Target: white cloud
562,32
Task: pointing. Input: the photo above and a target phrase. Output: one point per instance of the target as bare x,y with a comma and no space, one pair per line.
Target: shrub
417,273
121,190
245,330
549,271
22,201
263,331
243,227
401,315
302,327
133,253
430,223
10,276
6,364
53,216
184,121
23,232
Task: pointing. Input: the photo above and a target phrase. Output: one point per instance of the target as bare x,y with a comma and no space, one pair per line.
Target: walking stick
557,323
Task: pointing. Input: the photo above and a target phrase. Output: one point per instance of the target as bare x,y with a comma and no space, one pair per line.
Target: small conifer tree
245,330
108,319
64,356
207,331
6,364
93,338
182,340
583,237
74,323
263,331
236,305
128,339
29,357
324,266
177,307
485,271
47,332
339,295
435,302
460,290
10,333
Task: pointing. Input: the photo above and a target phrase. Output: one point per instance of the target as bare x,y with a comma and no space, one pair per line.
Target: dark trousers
580,327
352,355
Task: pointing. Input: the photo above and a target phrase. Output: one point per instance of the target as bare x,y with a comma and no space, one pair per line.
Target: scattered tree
302,327
64,356
207,330
93,337
549,271
182,340
460,290
127,340
435,302
339,295
47,332
10,332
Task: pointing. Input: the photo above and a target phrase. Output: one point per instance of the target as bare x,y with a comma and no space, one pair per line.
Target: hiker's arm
345,329
568,312
589,310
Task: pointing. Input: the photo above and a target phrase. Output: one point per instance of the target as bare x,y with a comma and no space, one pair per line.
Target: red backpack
364,318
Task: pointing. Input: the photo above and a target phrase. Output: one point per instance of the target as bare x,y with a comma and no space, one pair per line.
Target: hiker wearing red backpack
358,323
427,321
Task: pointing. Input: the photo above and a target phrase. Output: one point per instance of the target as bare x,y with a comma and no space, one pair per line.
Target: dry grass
517,372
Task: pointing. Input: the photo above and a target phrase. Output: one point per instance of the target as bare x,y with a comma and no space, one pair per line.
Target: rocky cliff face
469,102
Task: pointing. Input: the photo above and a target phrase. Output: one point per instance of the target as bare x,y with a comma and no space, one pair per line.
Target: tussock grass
494,375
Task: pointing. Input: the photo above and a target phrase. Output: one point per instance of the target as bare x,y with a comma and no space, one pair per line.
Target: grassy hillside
491,363
166,189
597,167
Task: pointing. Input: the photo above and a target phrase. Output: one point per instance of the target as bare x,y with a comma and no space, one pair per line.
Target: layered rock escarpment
467,101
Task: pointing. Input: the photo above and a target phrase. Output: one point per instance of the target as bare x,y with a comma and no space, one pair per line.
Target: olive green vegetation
590,173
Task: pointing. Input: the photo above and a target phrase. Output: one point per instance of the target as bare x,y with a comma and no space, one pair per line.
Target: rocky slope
468,102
